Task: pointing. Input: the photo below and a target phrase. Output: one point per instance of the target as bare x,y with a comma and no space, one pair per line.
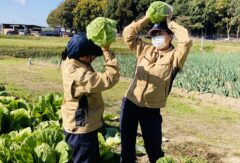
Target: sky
34,12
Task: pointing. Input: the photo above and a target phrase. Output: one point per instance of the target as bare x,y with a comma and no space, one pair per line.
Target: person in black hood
81,48
83,105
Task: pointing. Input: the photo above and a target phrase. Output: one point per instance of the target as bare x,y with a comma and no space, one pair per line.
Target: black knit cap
159,27
79,45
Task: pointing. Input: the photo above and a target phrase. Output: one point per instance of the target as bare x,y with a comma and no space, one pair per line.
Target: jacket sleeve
183,46
131,38
95,82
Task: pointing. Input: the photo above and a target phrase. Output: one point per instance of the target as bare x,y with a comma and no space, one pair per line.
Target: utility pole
202,44
30,61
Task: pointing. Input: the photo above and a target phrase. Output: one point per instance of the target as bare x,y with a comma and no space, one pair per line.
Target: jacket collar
80,63
157,51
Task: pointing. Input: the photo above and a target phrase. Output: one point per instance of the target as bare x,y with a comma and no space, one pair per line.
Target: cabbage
1,117
20,119
45,154
21,156
111,141
5,121
2,88
110,132
165,160
63,152
140,150
3,93
47,124
19,136
102,31
50,136
158,11
47,108
4,154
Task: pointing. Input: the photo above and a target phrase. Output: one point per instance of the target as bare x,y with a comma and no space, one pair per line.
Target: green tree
54,18
181,12
85,12
209,16
235,9
63,15
140,7
119,10
197,15
225,15
200,16
125,11
111,11
67,13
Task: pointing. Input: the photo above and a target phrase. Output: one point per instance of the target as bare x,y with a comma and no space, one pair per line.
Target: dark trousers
85,147
150,123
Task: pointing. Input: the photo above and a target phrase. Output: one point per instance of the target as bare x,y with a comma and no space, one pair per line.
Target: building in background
32,30
20,29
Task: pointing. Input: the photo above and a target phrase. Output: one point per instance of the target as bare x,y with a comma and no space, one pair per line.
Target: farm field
28,46
198,130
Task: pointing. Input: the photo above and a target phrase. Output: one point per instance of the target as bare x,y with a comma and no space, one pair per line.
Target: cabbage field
33,133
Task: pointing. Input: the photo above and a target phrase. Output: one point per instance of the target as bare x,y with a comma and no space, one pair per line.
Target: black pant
85,147
150,122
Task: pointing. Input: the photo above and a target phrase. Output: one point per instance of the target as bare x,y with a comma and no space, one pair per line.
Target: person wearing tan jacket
157,66
82,108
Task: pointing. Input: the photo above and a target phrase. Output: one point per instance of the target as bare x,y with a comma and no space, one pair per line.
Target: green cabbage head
158,11
102,31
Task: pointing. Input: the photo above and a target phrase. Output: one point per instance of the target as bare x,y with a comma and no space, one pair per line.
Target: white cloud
21,2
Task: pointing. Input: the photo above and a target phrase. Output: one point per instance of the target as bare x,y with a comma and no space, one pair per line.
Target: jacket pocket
81,113
156,92
162,69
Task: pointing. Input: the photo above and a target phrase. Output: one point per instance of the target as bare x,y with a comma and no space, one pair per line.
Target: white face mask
158,41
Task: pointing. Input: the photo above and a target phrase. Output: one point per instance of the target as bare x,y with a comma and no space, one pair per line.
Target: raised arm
183,40
95,82
130,35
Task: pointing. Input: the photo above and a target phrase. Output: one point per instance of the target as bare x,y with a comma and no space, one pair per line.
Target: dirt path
202,130
233,103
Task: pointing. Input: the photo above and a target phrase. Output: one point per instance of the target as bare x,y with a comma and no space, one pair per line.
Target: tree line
201,17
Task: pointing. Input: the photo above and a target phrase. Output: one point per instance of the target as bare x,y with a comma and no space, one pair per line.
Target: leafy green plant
4,154
211,73
44,153
63,151
20,118
47,124
110,117
107,153
4,119
47,108
43,145
2,88
166,160
3,93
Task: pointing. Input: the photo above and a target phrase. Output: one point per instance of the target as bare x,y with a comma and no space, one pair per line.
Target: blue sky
27,11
